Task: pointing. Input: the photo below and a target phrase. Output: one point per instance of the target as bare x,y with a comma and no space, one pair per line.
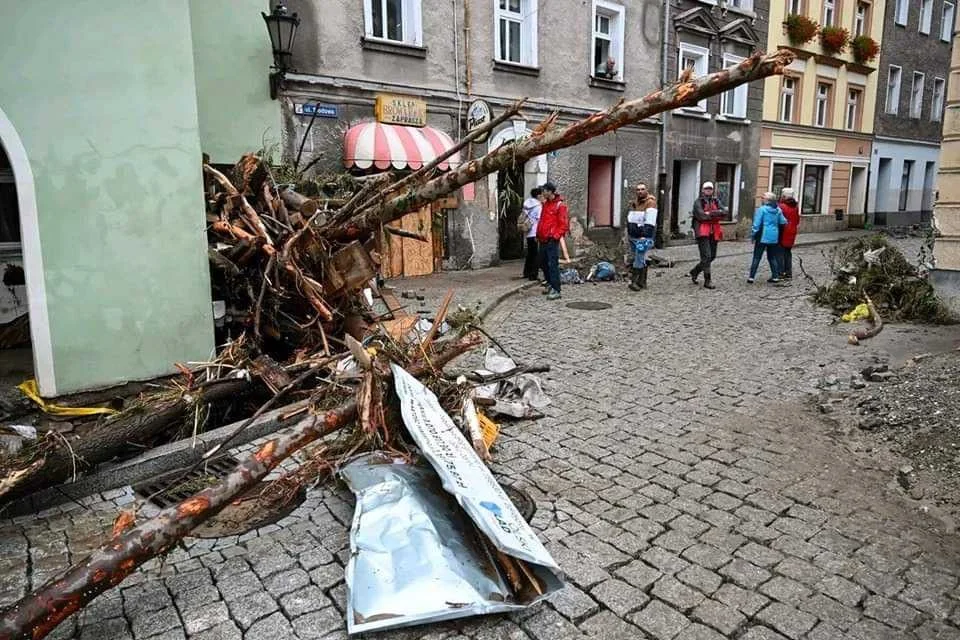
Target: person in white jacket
529,218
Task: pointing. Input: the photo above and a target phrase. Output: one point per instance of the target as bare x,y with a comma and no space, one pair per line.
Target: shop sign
403,110
479,114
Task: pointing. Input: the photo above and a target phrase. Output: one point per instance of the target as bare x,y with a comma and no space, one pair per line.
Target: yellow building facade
818,116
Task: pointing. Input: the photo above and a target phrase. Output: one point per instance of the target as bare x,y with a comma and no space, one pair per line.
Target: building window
900,16
697,59
946,23
829,12
733,103
926,16
726,187
916,95
394,20
893,90
781,176
861,19
788,94
608,23
905,185
516,31
821,116
853,109
936,109
742,5
794,7
814,186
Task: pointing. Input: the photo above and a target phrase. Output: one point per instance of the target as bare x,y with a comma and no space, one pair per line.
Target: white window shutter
530,15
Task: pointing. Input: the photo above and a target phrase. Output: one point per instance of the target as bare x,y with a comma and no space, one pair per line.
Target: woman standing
766,229
788,235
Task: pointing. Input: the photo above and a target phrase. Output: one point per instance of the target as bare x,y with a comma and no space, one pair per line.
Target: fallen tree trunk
74,454
37,614
298,202
546,137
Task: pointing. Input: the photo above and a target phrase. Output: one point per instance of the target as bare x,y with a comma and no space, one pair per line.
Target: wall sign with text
403,110
479,114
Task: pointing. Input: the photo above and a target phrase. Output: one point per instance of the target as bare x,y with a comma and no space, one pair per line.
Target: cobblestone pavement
683,483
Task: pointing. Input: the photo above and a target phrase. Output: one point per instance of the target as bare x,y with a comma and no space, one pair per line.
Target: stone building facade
818,117
914,63
566,56
719,140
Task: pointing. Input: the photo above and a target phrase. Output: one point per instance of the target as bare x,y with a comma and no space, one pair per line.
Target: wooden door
600,191
408,256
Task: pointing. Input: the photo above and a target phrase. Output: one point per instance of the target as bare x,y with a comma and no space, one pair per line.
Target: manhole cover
524,503
258,507
589,305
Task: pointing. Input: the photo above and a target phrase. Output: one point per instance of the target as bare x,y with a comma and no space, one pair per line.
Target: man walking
554,224
707,214
531,216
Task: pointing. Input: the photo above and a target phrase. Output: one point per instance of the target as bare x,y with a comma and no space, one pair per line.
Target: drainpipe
664,117
466,47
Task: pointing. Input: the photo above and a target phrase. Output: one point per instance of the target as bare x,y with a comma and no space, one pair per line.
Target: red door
600,191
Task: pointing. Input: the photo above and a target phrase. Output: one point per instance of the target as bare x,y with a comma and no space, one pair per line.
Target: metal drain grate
196,480
589,305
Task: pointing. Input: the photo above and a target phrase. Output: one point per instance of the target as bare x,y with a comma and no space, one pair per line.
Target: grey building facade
718,141
911,94
568,56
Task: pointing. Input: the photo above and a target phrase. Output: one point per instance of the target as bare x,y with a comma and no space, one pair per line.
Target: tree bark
37,614
299,202
546,138
109,438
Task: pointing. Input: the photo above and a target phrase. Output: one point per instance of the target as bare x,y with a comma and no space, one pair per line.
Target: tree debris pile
874,267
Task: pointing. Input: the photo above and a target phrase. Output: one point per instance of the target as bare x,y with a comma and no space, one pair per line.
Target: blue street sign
322,110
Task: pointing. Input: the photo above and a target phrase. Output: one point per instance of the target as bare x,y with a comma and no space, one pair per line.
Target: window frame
896,102
734,193
413,8
901,13
906,171
828,106
701,53
937,104
857,106
916,110
825,189
926,17
11,247
749,8
867,17
947,25
528,15
740,95
794,101
830,5
801,9
617,13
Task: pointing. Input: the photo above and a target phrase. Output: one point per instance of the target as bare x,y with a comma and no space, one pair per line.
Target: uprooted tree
290,268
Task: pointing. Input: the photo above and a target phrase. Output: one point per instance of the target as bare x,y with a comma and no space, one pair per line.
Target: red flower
864,49
834,39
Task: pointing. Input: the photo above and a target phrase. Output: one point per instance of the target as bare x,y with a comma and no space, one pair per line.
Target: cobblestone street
684,482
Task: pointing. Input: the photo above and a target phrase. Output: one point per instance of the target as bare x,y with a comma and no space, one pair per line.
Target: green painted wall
102,93
231,51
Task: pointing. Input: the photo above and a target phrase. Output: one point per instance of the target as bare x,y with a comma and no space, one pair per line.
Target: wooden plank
417,256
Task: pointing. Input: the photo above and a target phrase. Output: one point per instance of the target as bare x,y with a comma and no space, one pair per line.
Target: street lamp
282,29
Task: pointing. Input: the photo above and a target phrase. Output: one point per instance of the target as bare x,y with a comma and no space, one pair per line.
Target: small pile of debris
872,267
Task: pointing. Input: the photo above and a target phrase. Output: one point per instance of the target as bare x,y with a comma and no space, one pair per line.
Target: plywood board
417,256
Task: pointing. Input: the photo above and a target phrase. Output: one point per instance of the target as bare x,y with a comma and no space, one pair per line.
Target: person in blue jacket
766,234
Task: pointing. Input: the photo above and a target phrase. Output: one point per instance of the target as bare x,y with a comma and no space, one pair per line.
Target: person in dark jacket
707,214
554,224
788,235
766,230
531,216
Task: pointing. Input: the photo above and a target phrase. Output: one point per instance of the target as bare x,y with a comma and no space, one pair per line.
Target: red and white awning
374,144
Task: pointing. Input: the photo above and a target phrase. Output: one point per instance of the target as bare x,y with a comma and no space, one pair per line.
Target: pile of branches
874,268
293,271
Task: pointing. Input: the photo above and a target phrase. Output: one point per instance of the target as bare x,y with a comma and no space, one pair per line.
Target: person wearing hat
788,234
707,214
766,228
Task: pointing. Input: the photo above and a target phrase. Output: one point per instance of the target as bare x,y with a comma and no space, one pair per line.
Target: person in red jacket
554,224
788,235
707,214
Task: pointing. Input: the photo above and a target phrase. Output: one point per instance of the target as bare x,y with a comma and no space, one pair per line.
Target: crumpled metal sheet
415,555
520,397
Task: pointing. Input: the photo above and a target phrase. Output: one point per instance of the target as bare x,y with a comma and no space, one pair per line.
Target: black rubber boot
634,280
642,280
707,283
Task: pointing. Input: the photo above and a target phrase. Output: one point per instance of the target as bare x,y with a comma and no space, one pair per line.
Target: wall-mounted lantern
283,30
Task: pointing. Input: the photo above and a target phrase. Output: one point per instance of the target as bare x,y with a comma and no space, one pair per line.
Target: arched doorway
24,322
508,189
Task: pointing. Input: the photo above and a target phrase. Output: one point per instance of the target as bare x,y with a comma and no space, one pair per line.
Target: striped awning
373,144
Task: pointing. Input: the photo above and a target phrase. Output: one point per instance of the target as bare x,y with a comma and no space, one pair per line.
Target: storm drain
589,305
522,501
260,506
